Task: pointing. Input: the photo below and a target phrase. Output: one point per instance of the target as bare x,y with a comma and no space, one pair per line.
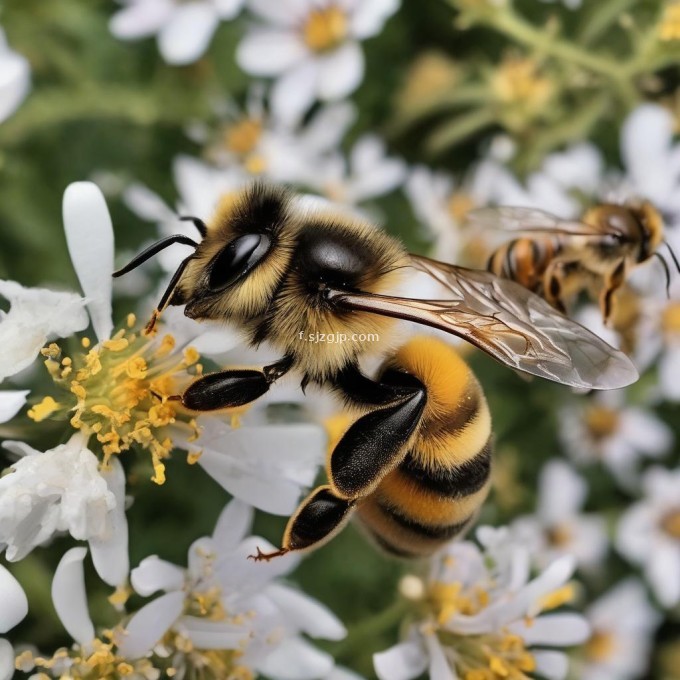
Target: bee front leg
613,282
232,387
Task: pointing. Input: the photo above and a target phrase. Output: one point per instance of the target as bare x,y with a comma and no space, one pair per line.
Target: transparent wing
527,220
509,323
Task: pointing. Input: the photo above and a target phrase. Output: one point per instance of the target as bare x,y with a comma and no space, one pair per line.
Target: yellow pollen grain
136,368
191,356
669,28
86,342
125,669
120,596
44,409
52,351
193,457
131,320
255,164
116,344
325,28
166,346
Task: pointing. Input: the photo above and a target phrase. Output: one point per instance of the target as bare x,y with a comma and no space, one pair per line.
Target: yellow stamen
601,421
600,647
242,137
670,523
558,598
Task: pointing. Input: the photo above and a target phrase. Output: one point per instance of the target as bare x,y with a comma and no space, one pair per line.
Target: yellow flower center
600,647
430,75
325,28
669,28
558,535
670,523
242,137
601,421
119,392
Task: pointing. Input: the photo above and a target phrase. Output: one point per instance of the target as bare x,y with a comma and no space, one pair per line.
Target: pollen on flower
44,409
118,392
558,598
242,137
325,28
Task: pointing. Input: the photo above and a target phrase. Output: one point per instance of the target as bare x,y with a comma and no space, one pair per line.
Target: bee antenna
153,250
165,298
197,222
675,259
668,273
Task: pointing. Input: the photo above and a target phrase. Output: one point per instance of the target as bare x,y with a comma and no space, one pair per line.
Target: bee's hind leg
232,387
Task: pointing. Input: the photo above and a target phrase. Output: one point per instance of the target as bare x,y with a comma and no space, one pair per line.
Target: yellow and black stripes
524,260
434,493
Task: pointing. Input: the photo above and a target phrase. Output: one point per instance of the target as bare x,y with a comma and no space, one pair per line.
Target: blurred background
454,105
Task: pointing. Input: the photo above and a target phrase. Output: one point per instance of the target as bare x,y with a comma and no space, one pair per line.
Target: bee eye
237,259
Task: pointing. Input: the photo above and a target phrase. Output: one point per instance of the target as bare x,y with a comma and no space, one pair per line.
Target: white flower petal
35,315
551,665
14,603
663,573
439,668
15,80
186,37
286,13
11,402
562,492
155,574
70,598
370,15
296,659
294,92
19,449
206,634
269,52
233,524
149,625
89,235
228,9
140,19
146,204
559,630
341,72
110,553
7,665
306,614
404,661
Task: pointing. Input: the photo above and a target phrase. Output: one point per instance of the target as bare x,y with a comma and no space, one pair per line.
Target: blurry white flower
63,489
651,159
15,79
223,601
623,624
14,608
366,174
558,527
184,30
649,534
569,4
485,617
311,47
603,428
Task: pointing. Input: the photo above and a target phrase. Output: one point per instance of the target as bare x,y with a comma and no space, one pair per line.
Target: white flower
11,402
603,428
649,534
652,161
63,489
366,174
184,30
35,315
311,47
14,608
224,601
15,79
558,527
485,616
623,623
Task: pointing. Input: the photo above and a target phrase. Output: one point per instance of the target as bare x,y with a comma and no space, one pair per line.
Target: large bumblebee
282,270
557,259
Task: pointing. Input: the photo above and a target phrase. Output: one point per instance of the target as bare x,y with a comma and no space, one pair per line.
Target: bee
557,259
282,270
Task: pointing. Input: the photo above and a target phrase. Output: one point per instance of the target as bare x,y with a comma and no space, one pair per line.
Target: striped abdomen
524,260
435,492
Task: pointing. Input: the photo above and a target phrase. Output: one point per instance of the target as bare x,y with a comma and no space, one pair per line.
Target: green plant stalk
604,15
451,133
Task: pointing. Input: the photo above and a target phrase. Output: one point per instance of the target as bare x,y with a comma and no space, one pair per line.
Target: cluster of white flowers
484,613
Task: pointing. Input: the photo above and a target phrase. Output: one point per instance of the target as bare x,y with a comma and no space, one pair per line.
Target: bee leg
232,387
613,282
553,285
375,443
318,518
